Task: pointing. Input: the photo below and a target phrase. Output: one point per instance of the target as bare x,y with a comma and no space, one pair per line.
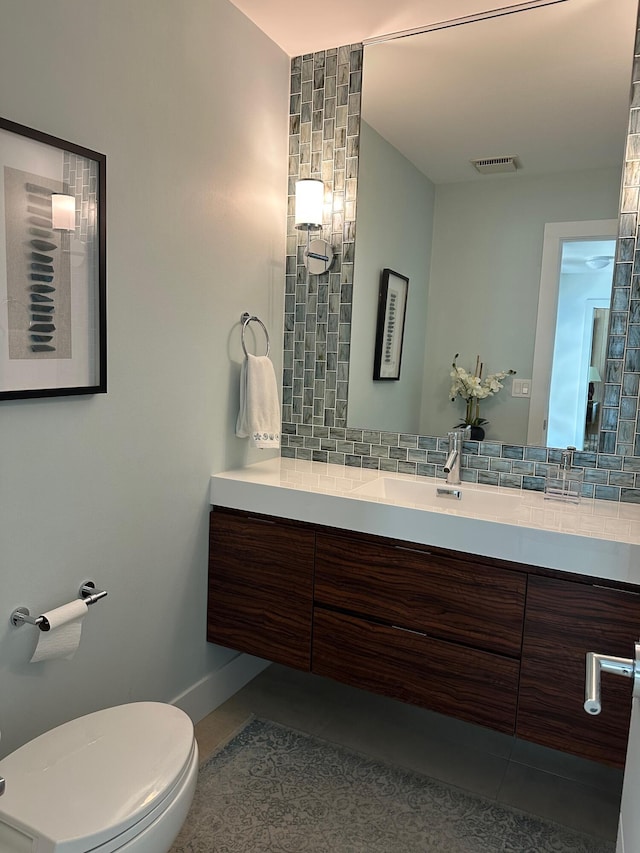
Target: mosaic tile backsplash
323,143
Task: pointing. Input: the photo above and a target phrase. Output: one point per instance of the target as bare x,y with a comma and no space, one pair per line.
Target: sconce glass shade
63,212
309,202
594,375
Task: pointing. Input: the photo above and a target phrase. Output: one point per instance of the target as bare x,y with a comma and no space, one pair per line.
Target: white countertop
596,538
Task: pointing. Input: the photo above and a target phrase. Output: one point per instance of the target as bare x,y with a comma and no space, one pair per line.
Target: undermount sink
464,498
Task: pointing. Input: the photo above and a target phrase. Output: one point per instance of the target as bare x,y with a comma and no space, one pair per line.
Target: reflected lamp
63,212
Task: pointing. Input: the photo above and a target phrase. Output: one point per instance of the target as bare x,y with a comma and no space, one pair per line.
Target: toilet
121,779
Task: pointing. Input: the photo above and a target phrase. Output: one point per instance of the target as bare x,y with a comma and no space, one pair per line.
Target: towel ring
245,319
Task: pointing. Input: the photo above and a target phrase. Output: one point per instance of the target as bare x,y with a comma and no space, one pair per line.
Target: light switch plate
520,387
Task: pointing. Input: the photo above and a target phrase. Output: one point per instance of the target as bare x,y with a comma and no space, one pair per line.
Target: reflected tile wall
621,426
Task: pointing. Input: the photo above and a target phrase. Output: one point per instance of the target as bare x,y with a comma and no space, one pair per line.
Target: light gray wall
485,278
189,103
395,217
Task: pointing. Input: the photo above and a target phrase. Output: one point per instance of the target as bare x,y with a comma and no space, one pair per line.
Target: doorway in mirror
584,297
571,333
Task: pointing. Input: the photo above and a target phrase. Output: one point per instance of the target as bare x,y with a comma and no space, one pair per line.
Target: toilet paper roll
63,637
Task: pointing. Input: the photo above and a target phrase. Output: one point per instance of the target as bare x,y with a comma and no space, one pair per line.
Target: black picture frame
53,339
392,309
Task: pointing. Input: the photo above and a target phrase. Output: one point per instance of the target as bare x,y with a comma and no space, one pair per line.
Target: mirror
548,87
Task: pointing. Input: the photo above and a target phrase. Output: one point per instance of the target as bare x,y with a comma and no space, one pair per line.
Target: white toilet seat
101,782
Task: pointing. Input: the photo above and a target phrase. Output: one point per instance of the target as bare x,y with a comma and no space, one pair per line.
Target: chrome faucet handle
458,435
451,466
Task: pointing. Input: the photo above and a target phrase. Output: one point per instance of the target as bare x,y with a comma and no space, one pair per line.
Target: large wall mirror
548,87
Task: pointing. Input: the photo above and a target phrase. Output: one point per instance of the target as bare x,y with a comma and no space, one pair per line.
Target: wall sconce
318,256
63,212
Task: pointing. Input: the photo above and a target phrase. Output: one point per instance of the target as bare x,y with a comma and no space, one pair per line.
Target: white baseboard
214,689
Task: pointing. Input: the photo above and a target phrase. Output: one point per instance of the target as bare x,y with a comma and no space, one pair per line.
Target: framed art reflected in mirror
52,266
392,307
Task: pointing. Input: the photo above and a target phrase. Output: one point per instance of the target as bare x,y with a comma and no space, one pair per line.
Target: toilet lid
83,783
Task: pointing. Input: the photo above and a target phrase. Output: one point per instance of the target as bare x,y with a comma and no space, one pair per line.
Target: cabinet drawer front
474,604
564,621
476,686
260,588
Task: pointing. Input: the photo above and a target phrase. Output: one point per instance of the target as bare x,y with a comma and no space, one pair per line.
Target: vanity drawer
260,588
459,600
476,686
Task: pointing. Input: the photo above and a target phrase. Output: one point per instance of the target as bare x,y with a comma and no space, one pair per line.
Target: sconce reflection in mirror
318,255
63,218
592,405
63,212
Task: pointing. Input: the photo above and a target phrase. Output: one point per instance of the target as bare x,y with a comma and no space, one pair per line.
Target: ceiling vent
493,165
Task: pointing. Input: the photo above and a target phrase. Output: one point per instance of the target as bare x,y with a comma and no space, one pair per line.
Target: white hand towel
259,415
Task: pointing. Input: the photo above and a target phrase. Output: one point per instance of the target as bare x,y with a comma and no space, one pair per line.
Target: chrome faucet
452,465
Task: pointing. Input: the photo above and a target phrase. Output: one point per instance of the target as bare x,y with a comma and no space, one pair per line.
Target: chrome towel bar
87,592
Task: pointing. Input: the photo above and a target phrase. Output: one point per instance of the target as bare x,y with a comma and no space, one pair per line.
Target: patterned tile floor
578,794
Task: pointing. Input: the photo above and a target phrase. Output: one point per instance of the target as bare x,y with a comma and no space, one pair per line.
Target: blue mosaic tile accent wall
324,134
620,432
323,143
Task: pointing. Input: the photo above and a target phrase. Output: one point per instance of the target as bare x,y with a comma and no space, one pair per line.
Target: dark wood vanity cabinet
498,644
260,591
420,627
565,620
473,685
459,599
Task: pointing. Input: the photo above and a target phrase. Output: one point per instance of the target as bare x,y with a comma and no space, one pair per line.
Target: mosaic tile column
620,427
324,128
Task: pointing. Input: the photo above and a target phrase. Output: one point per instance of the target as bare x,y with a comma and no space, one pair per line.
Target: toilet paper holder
87,592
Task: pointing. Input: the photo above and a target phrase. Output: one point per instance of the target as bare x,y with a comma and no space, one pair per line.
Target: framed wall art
392,306
52,266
